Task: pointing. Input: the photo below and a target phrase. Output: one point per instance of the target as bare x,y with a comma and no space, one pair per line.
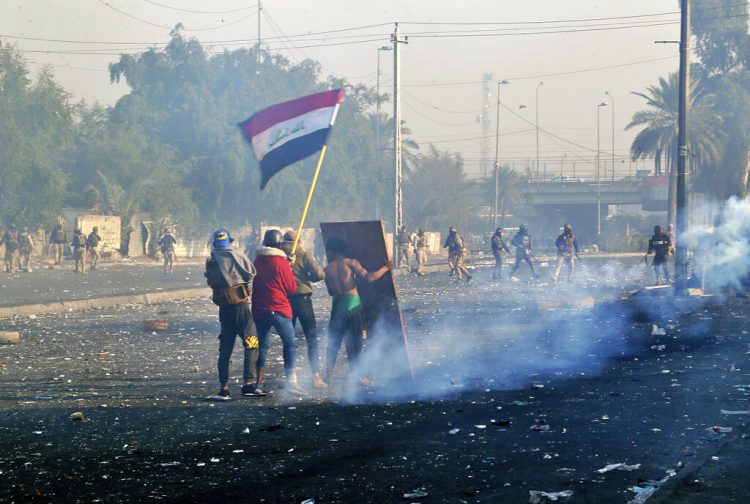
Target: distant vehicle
565,178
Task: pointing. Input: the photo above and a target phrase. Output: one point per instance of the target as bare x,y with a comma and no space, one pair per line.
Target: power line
197,11
557,74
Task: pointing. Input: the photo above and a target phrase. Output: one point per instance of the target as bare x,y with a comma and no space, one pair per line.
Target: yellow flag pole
309,198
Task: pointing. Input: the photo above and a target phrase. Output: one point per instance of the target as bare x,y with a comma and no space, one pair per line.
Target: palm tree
509,191
659,134
409,146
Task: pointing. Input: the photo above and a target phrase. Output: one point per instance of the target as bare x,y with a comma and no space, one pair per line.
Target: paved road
491,360
62,284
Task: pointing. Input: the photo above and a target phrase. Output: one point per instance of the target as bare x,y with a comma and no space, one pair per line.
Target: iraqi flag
288,132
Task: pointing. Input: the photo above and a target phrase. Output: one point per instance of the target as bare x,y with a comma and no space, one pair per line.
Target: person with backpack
230,275
166,246
567,252
522,241
79,251
10,240
92,246
58,238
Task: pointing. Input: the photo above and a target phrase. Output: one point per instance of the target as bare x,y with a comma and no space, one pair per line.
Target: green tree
435,194
34,141
658,133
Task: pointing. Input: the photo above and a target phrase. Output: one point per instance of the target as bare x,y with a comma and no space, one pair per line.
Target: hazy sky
441,75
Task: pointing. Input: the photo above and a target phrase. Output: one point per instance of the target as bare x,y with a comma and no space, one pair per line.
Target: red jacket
273,283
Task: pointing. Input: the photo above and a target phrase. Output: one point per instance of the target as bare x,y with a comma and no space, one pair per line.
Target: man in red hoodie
273,284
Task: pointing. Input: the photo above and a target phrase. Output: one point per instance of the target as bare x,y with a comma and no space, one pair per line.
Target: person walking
59,239
567,252
404,246
166,246
10,240
79,251
25,248
347,314
498,248
272,286
421,248
460,268
660,245
451,243
230,274
306,271
92,247
522,242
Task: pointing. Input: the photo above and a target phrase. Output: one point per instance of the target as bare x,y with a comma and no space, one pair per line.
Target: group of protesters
273,292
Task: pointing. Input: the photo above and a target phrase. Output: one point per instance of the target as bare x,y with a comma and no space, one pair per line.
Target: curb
102,302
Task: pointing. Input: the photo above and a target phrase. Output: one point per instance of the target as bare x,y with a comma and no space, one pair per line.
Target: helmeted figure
451,243
10,240
499,247
404,247
92,246
166,246
522,242
26,248
567,252
59,239
660,245
79,251
421,247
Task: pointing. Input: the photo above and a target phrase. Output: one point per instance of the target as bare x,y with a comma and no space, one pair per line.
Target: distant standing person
499,247
10,240
92,247
166,245
347,316
421,248
463,252
273,285
451,243
58,238
230,274
522,242
79,251
660,245
567,252
306,271
26,248
404,248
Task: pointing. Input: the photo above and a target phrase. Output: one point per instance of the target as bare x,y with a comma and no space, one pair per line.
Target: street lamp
537,129
612,98
598,180
497,145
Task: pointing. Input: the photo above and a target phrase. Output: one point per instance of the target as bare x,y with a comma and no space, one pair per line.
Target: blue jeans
285,330
236,321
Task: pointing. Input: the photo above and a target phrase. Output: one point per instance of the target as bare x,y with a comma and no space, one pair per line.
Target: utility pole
398,217
484,143
377,109
681,268
612,98
537,129
598,178
496,165
260,11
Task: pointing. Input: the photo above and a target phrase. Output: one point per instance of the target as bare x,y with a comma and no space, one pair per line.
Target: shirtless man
347,321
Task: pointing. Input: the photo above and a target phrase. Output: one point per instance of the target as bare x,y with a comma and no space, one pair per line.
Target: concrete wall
109,229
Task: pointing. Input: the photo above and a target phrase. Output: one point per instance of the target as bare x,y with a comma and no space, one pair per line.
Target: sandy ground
491,360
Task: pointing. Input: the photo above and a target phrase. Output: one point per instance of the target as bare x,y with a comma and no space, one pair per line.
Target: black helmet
523,227
452,229
273,238
657,229
499,231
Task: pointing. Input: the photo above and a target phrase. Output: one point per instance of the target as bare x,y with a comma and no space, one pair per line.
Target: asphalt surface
491,360
46,283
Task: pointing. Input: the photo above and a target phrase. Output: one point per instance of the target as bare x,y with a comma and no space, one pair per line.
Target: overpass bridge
547,205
